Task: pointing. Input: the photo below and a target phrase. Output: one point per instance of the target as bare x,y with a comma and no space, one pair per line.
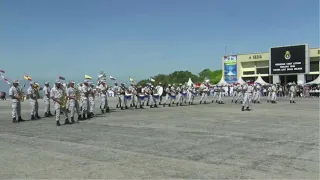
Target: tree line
183,76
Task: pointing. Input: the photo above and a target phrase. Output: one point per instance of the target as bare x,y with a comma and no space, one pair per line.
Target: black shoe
159,103
117,106
200,102
108,110
156,106
164,105
205,102
151,106
136,107
20,119
141,107
84,117
235,101
242,109
293,102
37,116
290,102
79,118
58,123
46,115
50,113
258,102
221,102
169,105
267,101
91,114
232,101
247,109
122,108
189,103
32,117
14,120
126,107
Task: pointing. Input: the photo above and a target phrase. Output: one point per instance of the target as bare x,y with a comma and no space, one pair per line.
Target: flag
2,71
87,77
61,78
26,77
131,80
113,78
151,79
5,79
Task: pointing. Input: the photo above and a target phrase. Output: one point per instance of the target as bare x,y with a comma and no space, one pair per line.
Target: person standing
14,93
292,92
248,89
73,102
57,92
33,100
46,92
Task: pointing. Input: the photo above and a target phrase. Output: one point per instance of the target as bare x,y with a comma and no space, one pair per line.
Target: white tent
260,81
241,81
222,82
189,82
316,81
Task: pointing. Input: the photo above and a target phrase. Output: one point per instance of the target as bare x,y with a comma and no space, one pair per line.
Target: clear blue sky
141,38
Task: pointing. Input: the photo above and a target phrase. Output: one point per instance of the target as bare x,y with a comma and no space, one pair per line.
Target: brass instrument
77,94
21,94
63,100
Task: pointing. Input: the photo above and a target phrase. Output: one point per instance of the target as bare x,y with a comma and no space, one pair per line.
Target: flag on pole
5,79
26,77
2,71
131,80
152,80
61,78
113,78
87,77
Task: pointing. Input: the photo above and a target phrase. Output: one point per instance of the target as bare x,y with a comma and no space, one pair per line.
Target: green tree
183,76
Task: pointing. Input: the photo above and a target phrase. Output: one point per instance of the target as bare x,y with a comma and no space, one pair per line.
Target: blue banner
230,69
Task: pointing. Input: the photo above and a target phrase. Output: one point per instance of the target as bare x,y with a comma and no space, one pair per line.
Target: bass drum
160,91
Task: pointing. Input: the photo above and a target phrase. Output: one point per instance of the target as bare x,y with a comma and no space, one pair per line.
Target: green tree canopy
183,76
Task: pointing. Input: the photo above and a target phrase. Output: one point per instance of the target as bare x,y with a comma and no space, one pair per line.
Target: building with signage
284,64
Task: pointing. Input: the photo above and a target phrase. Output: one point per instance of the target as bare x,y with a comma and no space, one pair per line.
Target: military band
70,100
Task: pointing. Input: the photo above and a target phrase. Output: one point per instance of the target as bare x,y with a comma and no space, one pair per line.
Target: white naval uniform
16,104
46,92
247,95
57,94
73,105
33,100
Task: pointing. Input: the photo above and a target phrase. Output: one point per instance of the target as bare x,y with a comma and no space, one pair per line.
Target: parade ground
192,142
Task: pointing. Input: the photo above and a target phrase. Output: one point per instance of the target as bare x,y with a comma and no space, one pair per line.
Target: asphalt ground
191,142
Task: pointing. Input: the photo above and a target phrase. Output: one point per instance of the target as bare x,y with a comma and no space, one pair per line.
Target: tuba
77,93
63,100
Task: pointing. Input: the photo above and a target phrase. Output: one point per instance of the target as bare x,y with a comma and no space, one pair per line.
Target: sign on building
230,69
288,60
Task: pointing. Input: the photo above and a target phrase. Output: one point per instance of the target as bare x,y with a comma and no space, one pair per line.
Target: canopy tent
189,83
260,81
316,81
241,81
222,82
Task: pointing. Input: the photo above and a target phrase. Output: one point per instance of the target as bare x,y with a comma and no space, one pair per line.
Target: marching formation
71,99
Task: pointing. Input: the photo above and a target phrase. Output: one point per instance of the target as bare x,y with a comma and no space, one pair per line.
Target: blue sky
141,38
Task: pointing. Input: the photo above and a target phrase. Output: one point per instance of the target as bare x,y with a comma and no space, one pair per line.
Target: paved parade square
193,142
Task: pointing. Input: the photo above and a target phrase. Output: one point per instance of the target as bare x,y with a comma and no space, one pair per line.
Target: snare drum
156,96
128,96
